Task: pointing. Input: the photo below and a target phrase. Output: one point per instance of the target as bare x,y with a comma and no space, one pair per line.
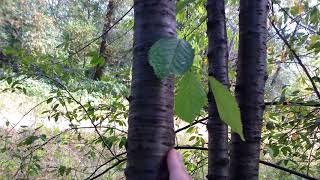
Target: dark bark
251,77
151,128
218,167
106,55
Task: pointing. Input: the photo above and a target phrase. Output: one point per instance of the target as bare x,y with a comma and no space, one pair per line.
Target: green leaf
49,100
55,107
97,60
61,170
314,15
295,10
9,80
171,56
29,140
122,142
182,4
227,106
8,51
43,137
190,97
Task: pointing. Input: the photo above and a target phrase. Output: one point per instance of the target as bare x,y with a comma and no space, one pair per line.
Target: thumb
176,167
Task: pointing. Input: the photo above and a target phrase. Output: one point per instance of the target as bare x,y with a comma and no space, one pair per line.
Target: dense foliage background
56,121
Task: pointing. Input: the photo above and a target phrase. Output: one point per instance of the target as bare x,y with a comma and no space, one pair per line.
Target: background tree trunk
106,55
218,167
251,77
151,128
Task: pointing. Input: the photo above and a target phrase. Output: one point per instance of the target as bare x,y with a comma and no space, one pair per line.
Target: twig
298,22
29,112
287,170
108,169
105,164
194,29
292,103
95,39
194,123
86,112
297,58
260,161
310,154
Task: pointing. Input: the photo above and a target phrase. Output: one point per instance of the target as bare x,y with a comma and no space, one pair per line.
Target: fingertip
176,167
172,159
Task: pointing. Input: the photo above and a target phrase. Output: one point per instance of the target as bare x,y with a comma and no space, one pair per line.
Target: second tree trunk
251,77
218,167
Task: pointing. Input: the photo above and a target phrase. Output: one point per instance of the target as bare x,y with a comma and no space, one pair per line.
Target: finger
176,167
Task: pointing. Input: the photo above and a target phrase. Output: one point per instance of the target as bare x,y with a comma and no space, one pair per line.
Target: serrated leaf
170,56
190,98
227,106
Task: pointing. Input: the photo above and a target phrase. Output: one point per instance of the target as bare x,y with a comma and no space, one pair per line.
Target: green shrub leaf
171,56
227,106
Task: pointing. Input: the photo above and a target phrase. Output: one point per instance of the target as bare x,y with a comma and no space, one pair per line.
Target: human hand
177,171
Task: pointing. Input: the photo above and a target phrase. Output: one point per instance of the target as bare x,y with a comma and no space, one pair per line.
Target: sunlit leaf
190,98
227,106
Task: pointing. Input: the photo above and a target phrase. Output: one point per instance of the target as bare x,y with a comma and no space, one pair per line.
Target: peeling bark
218,167
151,128
251,77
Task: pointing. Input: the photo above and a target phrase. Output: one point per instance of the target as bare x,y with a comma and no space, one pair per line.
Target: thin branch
310,154
260,161
34,107
95,39
194,123
86,112
292,103
193,30
287,170
191,148
108,169
93,173
298,22
297,58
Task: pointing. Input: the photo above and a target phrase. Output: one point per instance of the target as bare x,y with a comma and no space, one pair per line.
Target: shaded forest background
65,82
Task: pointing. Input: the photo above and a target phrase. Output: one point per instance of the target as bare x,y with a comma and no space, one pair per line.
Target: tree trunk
218,167
251,77
106,55
151,128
